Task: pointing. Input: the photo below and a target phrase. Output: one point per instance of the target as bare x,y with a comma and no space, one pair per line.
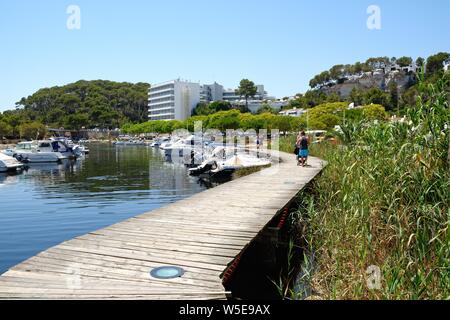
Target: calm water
48,204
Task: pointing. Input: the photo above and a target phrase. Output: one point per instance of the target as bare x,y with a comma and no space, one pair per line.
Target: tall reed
383,201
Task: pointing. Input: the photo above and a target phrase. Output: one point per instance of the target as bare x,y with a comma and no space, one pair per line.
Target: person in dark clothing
303,145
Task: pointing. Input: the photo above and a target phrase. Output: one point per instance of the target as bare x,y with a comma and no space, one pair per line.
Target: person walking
303,145
297,148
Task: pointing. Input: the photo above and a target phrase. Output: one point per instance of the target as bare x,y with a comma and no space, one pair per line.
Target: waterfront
48,204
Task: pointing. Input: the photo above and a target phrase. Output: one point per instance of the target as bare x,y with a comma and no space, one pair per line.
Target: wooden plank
187,231
198,238
130,249
158,240
165,246
162,247
153,258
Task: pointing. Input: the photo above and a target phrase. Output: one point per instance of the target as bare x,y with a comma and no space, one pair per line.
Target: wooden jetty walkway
202,234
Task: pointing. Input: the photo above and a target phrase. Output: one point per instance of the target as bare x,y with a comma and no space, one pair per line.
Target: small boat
28,152
224,166
63,145
158,142
130,143
205,167
179,146
167,143
137,143
8,163
227,167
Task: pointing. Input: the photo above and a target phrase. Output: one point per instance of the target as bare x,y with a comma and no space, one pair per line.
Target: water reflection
50,203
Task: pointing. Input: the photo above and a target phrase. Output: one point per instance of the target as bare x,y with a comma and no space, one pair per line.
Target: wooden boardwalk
202,234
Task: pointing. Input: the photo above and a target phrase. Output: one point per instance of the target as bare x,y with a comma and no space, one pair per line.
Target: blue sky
280,44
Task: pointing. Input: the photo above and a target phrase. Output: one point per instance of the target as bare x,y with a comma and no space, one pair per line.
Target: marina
203,235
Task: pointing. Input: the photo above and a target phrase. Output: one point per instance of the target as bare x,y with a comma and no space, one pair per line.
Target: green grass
384,201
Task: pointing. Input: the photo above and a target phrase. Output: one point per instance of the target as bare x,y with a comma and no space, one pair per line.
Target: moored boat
30,152
8,163
220,163
63,145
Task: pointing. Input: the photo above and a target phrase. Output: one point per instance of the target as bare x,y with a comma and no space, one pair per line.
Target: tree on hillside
374,112
100,101
420,62
356,96
404,61
314,98
409,97
435,63
266,108
76,121
313,83
5,129
14,119
217,106
378,96
333,97
247,89
202,109
224,120
359,67
393,91
320,79
337,72
33,130
298,103
241,108
376,63
324,116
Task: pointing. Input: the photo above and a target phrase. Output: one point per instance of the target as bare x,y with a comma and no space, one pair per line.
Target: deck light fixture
167,272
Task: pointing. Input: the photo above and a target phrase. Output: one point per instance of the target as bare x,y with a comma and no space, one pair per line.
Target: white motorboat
240,161
220,162
177,147
158,142
63,145
137,143
168,142
8,163
130,143
30,152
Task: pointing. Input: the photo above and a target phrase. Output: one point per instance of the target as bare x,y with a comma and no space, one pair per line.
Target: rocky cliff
370,80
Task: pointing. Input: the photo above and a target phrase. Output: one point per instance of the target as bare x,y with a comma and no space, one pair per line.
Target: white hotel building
175,100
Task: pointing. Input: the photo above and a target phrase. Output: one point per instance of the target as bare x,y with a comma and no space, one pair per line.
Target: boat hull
4,169
8,163
39,157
